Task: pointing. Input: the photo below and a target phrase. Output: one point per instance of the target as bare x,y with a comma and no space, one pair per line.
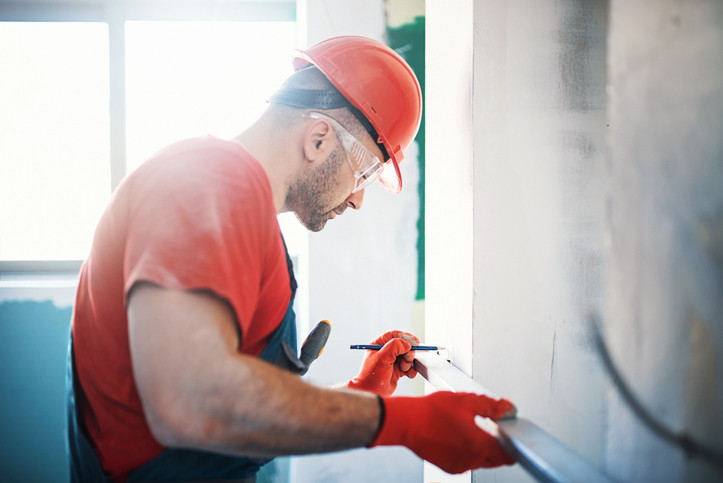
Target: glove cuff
382,419
396,414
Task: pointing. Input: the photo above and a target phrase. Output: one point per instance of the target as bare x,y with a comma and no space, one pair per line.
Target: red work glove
441,429
382,369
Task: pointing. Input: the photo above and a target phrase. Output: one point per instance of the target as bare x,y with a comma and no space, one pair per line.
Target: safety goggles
366,167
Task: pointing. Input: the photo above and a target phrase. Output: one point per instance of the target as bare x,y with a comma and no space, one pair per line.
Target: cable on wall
682,440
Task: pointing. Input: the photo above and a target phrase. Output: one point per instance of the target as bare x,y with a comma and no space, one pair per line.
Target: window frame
115,14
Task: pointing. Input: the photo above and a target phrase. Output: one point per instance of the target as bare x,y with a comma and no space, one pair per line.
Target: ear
318,140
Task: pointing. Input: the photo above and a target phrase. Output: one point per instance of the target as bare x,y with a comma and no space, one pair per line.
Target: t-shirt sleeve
195,225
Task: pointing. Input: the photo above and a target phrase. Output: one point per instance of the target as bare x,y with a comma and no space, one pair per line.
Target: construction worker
184,305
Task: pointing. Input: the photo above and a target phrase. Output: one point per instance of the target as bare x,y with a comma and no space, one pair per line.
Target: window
54,138
59,113
196,78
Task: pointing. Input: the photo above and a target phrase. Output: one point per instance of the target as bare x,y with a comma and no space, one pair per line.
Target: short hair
311,79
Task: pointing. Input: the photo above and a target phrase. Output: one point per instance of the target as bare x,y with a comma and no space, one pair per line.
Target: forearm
250,407
198,391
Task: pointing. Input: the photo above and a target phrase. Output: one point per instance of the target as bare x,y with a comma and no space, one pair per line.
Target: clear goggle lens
366,166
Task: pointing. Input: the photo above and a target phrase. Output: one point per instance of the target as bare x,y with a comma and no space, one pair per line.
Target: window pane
196,78
54,138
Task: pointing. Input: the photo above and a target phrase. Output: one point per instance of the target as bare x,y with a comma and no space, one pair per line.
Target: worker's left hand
382,369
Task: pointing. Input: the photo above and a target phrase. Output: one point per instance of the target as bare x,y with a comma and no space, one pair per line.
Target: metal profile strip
542,456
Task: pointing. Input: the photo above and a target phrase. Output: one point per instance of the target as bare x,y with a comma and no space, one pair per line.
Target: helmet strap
310,98
324,99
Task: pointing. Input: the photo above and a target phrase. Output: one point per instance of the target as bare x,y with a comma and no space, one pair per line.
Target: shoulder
207,157
202,168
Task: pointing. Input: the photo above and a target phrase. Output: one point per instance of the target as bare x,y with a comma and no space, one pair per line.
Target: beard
312,193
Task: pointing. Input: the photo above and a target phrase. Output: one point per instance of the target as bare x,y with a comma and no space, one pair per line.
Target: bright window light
54,138
188,79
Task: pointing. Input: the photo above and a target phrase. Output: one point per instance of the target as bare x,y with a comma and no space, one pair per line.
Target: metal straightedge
542,456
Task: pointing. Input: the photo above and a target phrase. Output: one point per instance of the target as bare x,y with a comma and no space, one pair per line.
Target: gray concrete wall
516,116
539,147
664,307
575,166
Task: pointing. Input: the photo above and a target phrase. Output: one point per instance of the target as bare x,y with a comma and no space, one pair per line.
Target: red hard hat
378,82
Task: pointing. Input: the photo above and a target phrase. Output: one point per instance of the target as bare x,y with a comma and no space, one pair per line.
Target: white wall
362,272
449,195
449,163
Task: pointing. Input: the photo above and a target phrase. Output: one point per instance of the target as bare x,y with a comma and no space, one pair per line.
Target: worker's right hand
441,429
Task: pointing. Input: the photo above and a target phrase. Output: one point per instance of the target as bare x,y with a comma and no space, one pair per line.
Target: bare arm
198,392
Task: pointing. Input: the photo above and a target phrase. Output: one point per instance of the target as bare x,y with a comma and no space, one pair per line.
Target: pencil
376,347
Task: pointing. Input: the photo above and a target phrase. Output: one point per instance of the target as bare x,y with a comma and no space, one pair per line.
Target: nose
355,200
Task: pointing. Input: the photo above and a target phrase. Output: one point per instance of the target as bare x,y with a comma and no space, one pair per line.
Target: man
183,310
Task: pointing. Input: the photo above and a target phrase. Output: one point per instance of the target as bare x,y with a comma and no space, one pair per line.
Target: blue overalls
181,464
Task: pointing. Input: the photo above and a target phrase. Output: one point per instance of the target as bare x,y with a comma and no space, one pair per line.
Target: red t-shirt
197,215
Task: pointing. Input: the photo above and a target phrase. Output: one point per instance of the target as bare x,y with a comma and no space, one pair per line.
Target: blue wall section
33,339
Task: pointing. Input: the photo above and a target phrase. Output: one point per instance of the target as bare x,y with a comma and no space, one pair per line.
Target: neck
270,146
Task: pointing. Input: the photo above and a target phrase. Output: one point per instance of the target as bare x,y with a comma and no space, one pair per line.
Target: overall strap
84,464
